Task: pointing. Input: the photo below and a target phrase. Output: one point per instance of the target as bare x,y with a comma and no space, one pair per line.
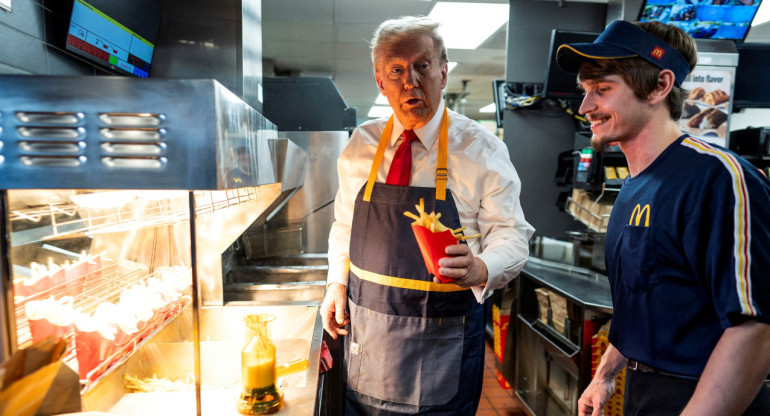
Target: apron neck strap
441,165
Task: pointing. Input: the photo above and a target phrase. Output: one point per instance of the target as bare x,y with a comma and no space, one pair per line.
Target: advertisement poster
707,107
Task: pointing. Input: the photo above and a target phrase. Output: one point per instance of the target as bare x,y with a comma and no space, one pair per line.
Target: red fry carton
433,247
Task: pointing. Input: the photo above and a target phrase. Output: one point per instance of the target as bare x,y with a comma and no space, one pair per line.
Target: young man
687,245
414,345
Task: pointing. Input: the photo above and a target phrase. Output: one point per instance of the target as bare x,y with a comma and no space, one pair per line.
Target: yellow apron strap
441,169
378,159
441,164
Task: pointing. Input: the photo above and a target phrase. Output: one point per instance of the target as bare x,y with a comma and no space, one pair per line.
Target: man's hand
333,310
461,265
595,396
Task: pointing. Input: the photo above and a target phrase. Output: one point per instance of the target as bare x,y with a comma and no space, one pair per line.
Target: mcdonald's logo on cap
636,215
657,52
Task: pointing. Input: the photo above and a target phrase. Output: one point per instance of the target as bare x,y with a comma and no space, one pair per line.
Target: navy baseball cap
622,39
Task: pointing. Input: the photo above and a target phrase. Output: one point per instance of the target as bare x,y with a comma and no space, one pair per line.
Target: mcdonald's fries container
433,247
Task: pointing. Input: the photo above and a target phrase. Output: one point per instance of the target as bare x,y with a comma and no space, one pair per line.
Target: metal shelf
554,342
117,211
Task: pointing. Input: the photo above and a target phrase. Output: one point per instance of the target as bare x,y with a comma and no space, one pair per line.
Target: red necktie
401,168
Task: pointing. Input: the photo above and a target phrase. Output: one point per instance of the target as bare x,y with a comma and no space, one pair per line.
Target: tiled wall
32,40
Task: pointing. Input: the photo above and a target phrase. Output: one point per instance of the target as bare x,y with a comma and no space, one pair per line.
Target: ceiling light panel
468,25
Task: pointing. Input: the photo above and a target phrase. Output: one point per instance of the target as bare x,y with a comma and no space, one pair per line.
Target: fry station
198,214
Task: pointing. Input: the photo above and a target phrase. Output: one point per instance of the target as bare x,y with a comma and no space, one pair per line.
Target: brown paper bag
37,382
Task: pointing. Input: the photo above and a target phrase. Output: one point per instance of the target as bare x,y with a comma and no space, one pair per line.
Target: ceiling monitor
119,35
710,19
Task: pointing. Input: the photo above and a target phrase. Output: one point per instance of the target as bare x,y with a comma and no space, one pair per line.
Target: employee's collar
427,134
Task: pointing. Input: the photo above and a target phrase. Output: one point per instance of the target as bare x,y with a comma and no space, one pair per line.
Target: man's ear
444,75
378,80
666,82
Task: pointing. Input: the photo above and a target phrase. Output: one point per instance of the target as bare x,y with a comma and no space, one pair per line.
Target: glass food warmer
118,199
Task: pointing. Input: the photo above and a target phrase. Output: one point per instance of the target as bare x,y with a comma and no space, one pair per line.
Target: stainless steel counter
590,289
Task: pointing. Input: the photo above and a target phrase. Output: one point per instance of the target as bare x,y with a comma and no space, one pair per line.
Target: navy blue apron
415,346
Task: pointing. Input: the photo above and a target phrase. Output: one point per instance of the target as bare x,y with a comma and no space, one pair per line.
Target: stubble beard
601,144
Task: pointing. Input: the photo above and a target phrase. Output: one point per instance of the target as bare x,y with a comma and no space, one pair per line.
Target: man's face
615,112
411,76
244,162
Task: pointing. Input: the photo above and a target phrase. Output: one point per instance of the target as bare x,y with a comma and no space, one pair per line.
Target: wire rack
65,220
103,212
593,211
587,216
210,201
88,291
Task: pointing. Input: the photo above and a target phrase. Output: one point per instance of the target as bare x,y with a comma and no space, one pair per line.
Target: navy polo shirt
688,255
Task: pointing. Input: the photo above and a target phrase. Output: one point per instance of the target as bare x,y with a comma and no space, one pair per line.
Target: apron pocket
404,359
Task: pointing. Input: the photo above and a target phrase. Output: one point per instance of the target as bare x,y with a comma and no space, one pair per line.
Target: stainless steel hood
125,133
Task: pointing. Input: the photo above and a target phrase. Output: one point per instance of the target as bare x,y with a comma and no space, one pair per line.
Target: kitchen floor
495,400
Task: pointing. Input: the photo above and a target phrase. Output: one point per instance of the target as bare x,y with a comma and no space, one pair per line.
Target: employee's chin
601,144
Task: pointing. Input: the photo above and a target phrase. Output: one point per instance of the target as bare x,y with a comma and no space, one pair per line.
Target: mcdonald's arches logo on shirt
636,215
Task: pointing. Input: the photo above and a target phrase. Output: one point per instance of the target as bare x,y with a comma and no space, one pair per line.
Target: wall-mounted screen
752,85
709,19
120,35
558,82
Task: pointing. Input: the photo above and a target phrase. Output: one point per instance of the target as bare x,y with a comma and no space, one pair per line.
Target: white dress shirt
484,184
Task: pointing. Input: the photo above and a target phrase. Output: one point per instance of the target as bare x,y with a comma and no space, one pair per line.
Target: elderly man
415,345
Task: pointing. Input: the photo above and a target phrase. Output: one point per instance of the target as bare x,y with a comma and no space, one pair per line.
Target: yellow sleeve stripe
741,215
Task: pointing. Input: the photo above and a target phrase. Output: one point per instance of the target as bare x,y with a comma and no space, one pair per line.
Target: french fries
431,222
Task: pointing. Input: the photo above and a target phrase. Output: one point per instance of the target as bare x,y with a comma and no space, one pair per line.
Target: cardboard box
559,312
544,304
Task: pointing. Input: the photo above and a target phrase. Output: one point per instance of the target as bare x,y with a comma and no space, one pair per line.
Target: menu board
707,107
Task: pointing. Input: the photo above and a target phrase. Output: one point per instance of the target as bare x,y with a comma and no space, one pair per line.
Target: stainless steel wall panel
191,48
213,39
313,202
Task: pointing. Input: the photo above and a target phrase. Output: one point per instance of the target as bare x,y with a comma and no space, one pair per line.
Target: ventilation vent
133,140
49,117
132,119
51,139
53,161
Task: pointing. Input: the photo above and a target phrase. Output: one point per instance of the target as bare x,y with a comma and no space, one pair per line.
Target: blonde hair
393,31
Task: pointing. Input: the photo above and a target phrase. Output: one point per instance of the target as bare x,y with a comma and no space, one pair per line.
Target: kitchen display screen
707,19
558,82
108,38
